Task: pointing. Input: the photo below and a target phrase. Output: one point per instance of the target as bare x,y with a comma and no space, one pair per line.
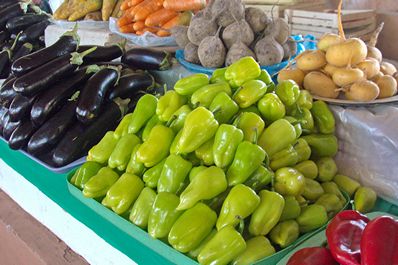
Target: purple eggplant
7,93
147,59
129,85
16,24
11,11
33,32
20,107
3,113
22,51
102,53
21,135
9,127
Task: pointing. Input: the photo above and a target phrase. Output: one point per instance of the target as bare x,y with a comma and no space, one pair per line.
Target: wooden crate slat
347,15
331,24
280,2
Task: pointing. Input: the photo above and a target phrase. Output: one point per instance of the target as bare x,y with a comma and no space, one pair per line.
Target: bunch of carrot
156,16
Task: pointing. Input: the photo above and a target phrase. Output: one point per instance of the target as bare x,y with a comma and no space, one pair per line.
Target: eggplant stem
122,45
75,96
122,104
165,64
24,5
73,33
77,58
92,69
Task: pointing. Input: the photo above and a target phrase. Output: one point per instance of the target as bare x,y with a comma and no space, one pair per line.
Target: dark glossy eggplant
52,100
80,138
5,59
129,85
16,24
147,59
17,9
93,95
48,135
66,44
9,127
33,32
102,53
4,4
46,75
22,51
3,112
4,36
21,135
20,107
7,93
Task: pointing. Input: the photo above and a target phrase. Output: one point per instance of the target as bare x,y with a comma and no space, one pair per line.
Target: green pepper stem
241,227
255,137
171,120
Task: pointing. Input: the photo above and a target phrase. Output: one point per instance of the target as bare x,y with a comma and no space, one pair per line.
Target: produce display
219,153
345,66
161,17
353,239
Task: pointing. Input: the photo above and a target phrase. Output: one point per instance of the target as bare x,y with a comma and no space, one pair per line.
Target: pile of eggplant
59,101
22,29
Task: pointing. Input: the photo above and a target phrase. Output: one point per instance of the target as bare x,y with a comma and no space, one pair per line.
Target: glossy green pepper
149,126
347,184
123,193
205,184
331,187
277,137
303,150
195,252
305,118
327,169
174,148
178,118
199,127
265,77
305,99
260,178
98,185
297,126
205,153
324,119
188,85
312,190
252,108
195,171
302,201
226,245
152,175
84,173
312,217
287,157
121,154
248,158
134,166
192,227
243,70
226,141
331,203
156,147
163,214
285,233
257,248
365,199
239,204
288,92
249,93
291,210
289,181
144,110
251,124
223,108
218,76
322,144
139,214
308,168
101,152
174,172
122,128
205,95
169,103
267,214
271,107
217,202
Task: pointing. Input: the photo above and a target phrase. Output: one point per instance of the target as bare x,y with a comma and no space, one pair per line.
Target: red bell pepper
312,256
344,235
379,244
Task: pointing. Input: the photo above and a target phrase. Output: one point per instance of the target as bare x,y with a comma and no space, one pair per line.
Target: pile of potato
226,31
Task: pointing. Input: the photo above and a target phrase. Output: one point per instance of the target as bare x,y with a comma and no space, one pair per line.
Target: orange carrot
148,7
184,5
125,5
124,20
171,23
151,29
163,33
129,28
139,25
134,2
160,17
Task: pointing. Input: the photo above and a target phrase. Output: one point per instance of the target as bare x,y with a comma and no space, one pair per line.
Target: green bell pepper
251,124
285,233
308,168
199,127
134,166
195,171
271,107
206,183
249,93
98,185
174,145
302,201
156,147
287,157
265,77
223,108
153,121
267,214
331,187
195,252
226,141
169,103
297,125
331,203
122,128
192,227
327,169
142,207
163,214
312,217
305,99
239,204
101,152
178,119
226,245
347,184
144,110
243,70
217,202
218,76
174,172
122,152
324,119
365,199
152,175
248,158
288,92
252,108
123,193
303,150
312,190
322,144
305,118
257,248
188,85
289,181
205,95
205,152
277,137
260,178
84,173
291,210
